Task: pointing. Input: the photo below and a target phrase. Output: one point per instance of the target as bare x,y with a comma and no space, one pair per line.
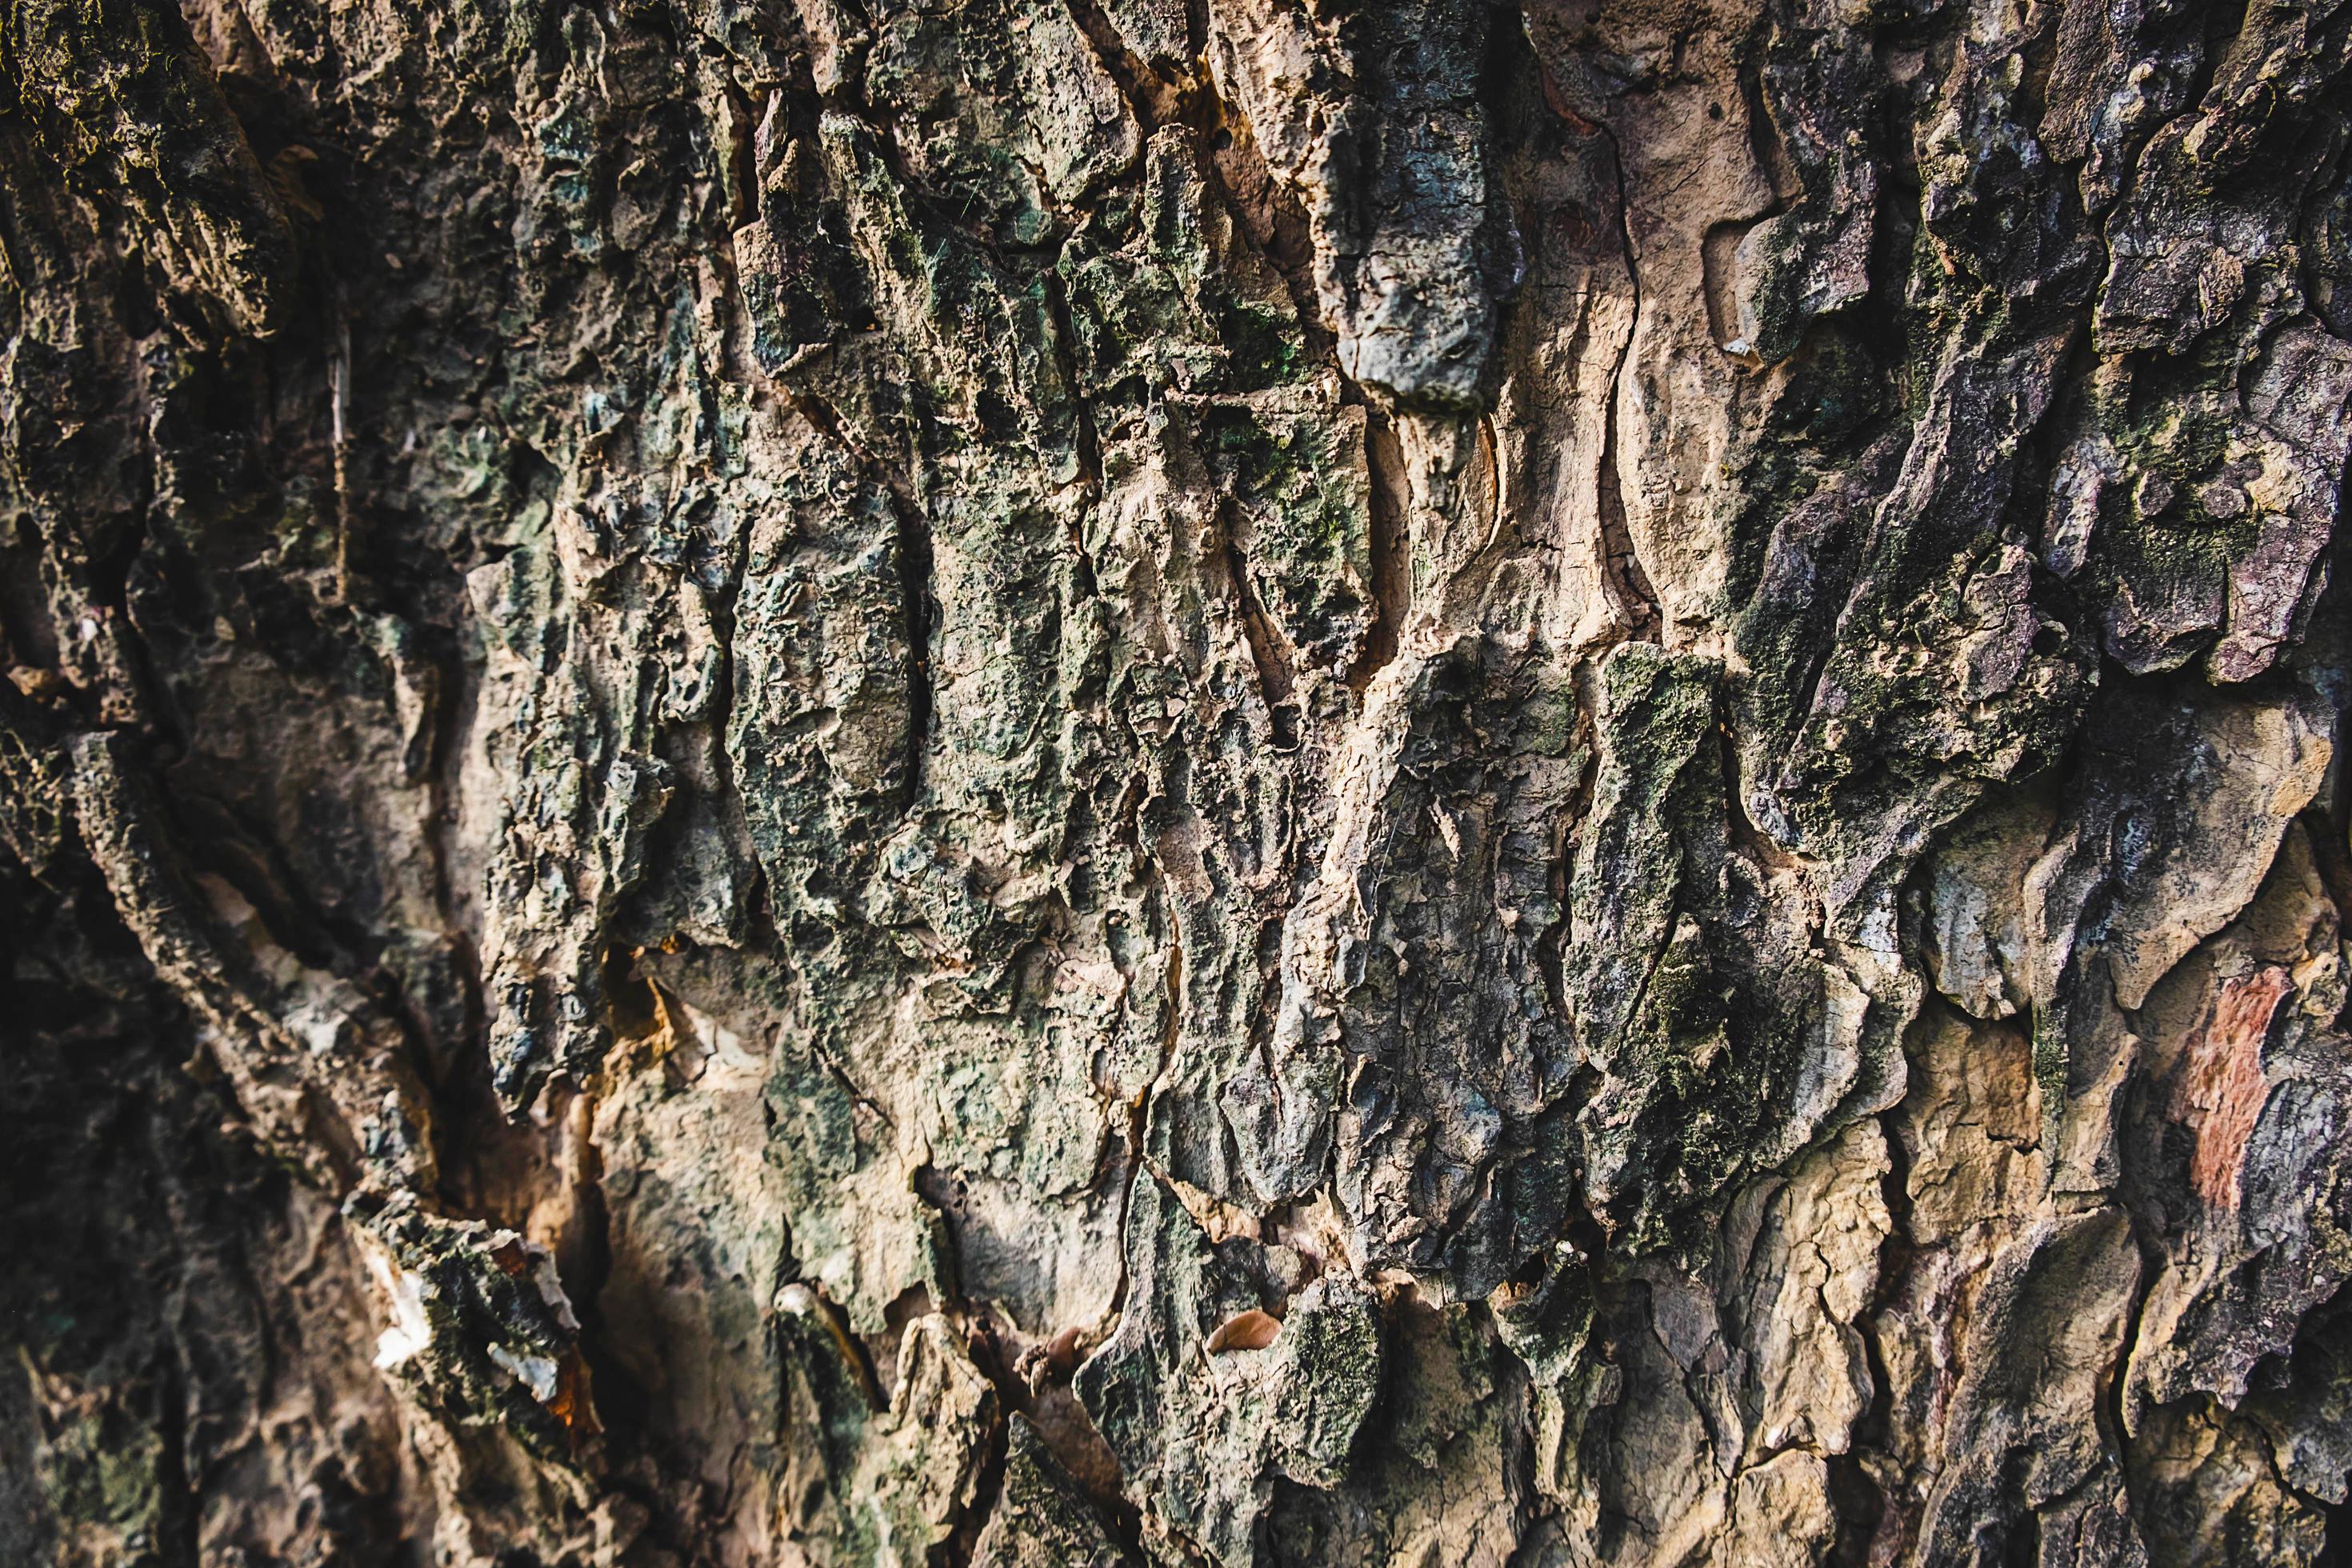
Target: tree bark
1086,782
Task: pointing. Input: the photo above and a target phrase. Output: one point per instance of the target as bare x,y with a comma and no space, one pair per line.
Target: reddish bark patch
2218,1089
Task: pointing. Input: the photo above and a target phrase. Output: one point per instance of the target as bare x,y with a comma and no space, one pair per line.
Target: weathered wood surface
1085,782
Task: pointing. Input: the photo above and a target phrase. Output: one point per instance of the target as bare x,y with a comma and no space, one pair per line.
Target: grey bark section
1105,782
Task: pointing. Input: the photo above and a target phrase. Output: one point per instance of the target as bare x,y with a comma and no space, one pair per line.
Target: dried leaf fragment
1250,1330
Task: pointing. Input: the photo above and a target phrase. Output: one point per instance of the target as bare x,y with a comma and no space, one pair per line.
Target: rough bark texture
1117,782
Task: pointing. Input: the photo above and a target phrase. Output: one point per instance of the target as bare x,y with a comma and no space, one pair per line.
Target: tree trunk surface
1031,783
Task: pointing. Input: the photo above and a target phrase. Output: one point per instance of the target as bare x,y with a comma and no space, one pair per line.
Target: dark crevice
1620,564
616,1405
1108,1491
1745,838
1047,1401
2037,53
1152,98
988,1487
455,693
744,115
854,1351
2114,1417
1866,1515
2225,21
1719,245
921,612
1765,143
1267,221
1085,437
1269,652
1390,544
181,1502
2222,21
1718,252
